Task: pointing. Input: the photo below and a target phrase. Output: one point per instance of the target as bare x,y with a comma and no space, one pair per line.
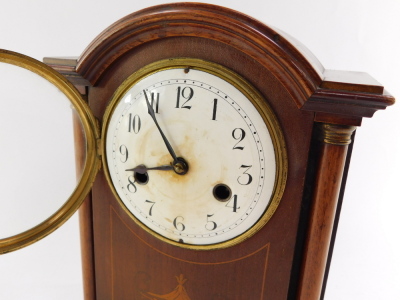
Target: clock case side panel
85,217
66,66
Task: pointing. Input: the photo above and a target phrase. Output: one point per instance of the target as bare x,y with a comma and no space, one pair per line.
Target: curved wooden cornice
347,97
337,97
300,76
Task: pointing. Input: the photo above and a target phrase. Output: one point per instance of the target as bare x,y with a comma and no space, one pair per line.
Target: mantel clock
212,152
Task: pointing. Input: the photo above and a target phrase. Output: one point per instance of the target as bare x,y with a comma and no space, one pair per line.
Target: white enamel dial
221,135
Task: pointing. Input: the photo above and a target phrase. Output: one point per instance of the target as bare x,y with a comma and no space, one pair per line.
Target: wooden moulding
346,97
339,97
67,67
266,46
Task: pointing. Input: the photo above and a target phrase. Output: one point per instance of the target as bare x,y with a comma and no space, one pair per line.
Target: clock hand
141,169
150,110
180,166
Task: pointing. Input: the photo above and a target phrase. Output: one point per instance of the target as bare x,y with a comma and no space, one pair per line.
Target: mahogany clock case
114,231
123,244
292,84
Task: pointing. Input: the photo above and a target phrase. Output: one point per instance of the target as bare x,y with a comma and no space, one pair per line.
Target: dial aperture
141,176
222,192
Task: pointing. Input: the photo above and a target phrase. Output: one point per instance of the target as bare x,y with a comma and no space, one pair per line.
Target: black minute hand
150,110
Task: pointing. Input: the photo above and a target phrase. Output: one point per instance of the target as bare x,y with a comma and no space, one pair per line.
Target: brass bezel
257,100
92,162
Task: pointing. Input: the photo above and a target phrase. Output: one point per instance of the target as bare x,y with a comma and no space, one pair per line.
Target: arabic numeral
151,207
155,101
131,185
238,134
211,225
178,223
214,114
233,203
124,152
188,95
246,178
134,124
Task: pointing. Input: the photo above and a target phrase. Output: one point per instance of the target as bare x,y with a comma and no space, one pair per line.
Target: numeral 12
187,96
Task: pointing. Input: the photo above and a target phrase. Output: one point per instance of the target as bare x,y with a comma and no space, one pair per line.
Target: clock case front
317,110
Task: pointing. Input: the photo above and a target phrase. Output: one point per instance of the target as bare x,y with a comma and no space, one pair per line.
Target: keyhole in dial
222,192
141,178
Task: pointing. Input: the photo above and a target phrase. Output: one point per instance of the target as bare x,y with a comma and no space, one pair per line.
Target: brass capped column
332,156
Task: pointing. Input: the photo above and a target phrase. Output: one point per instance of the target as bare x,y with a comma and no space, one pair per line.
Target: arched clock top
337,97
294,66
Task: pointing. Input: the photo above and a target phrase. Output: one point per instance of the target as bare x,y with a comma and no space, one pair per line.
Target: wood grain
128,261
261,43
282,228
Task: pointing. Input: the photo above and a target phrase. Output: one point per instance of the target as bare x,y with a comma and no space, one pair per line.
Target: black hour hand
141,169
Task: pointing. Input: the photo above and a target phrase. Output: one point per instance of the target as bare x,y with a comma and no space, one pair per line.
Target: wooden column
332,156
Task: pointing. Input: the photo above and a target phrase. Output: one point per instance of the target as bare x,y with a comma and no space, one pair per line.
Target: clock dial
190,156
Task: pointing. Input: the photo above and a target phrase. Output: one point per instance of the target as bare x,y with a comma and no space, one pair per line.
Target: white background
355,35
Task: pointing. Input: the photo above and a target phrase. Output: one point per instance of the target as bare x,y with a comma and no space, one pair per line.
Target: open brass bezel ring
92,161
